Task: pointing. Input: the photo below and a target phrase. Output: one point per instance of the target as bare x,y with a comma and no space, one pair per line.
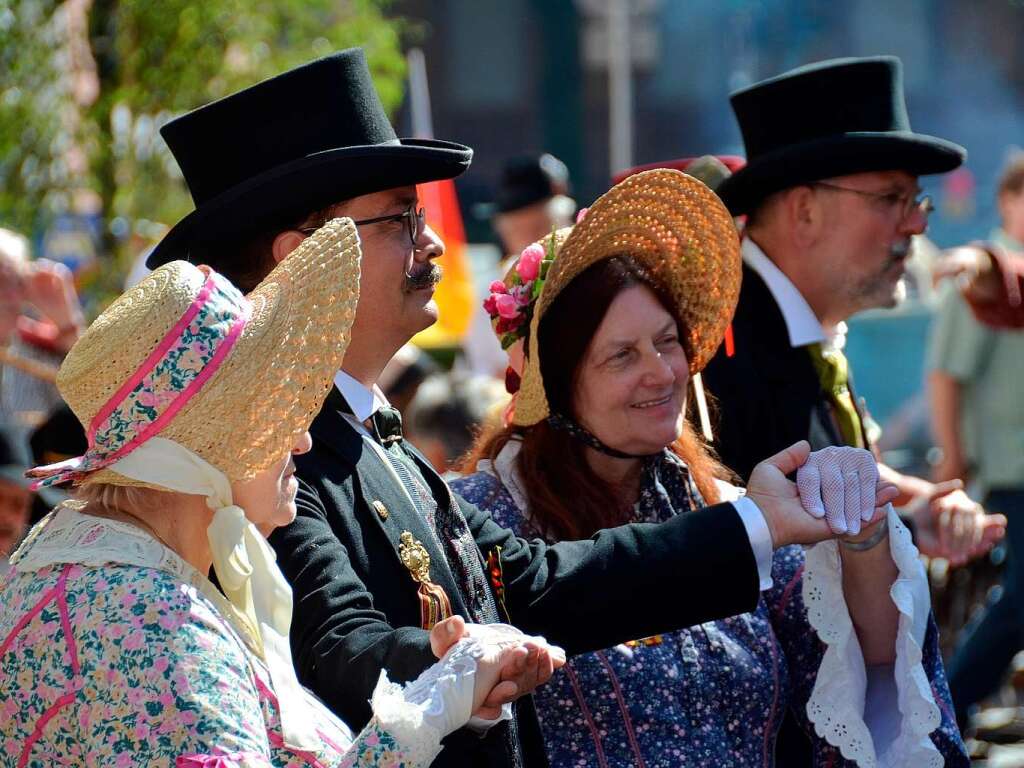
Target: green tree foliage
86,84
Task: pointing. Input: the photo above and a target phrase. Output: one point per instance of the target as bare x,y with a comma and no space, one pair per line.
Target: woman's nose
659,371
303,444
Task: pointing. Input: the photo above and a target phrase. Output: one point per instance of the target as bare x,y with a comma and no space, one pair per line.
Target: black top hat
525,180
312,136
826,119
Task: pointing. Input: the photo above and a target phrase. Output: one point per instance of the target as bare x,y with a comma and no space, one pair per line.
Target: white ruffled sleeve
837,703
440,700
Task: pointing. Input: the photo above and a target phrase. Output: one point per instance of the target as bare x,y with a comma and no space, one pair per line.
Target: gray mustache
900,250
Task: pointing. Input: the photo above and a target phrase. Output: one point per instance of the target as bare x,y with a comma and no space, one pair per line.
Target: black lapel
786,369
386,501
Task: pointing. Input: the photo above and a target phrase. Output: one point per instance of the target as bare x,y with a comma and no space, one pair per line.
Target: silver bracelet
871,541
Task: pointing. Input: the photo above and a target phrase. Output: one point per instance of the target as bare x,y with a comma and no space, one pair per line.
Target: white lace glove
839,484
440,700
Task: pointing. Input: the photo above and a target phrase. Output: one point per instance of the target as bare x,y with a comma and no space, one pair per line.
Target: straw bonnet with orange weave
184,384
680,232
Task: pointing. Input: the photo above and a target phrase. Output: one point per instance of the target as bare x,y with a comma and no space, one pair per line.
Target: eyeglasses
415,219
906,203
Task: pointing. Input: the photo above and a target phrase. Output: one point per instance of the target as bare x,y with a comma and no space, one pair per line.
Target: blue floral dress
714,694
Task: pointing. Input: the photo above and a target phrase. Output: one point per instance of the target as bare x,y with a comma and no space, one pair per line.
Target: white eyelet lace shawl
836,705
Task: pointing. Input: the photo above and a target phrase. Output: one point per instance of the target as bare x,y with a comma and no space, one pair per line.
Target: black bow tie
387,425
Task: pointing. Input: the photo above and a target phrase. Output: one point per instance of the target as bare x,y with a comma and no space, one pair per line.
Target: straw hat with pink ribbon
185,384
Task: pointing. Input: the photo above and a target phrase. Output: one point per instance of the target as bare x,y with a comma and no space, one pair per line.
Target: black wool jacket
768,393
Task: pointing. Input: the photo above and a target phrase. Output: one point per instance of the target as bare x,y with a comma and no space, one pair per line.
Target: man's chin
425,316
887,296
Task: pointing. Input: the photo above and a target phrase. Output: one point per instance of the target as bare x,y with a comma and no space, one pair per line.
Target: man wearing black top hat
532,199
831,198
381,547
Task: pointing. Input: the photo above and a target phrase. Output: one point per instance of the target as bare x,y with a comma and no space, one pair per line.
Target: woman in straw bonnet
115,648
618,315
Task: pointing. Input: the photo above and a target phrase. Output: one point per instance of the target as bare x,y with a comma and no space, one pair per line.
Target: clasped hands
511,666
838,492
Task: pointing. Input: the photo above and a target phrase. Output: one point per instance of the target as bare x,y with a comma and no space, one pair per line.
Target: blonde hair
124,498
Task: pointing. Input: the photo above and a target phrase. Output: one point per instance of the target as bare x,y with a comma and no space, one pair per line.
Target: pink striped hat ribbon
173,373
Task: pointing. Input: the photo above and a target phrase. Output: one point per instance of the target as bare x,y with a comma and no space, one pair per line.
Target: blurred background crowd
556,97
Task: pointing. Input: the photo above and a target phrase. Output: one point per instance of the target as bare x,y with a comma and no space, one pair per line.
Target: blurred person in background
18,503
636,299
447,412
15,496
976,384
40,319
405,373
532,200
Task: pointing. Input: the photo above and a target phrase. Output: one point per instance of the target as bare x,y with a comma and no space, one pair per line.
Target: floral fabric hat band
510,301
184,360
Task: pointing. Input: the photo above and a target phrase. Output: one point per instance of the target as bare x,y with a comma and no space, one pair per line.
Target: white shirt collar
363,402
801,322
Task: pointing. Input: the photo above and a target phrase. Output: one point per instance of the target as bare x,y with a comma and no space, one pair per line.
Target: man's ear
285,243
805,214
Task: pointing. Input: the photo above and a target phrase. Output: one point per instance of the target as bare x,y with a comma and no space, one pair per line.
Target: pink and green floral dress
115,652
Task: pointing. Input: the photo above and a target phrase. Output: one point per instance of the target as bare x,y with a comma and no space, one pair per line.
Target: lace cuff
836,705
440,700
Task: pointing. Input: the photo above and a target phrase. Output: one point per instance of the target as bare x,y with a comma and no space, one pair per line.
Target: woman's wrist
868,538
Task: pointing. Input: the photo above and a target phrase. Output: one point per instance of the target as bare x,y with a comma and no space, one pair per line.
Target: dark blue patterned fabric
712,695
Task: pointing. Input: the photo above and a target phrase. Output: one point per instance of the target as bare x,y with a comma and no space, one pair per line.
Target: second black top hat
826,119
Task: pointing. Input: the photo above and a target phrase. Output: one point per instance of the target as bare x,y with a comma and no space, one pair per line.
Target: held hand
512,665
514,672
839,484
952,526
780,503
447,633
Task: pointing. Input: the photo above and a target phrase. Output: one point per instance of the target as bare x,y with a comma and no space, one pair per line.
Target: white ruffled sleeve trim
404,721
836,705
440,700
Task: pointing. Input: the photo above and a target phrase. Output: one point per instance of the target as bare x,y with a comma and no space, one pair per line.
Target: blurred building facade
531,75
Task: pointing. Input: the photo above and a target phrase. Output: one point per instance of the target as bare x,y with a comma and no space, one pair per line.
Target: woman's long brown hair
567,499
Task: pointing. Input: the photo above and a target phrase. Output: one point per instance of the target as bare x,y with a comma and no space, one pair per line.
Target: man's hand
973,271
950,525
780,503
50,288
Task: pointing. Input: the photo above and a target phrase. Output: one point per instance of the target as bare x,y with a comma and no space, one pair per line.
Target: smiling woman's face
631,387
